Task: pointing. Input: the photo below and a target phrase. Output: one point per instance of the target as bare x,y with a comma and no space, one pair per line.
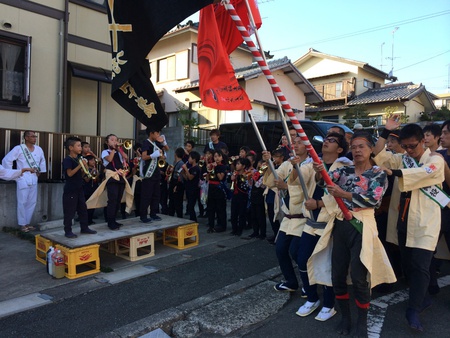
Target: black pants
115,192
347,243
416,267
150,196
192,197
217,205
239,212
258,217
137,197
164,198
275,225
74,202
176,200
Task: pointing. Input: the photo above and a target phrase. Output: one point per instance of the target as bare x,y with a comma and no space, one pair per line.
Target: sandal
30,228
24,228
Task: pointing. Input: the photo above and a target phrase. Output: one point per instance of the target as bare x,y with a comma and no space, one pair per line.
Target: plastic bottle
49,261
59,268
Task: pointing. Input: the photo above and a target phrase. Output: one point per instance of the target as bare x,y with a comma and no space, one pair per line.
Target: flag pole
280,109
284,103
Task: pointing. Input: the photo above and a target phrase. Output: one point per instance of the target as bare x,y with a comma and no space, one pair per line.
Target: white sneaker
325,314
307,308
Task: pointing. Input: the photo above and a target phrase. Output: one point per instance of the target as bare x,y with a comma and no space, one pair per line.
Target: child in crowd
73,195
191,183
150,186
91,183
176,185
257,207
239,200
217,201
115,162
271,194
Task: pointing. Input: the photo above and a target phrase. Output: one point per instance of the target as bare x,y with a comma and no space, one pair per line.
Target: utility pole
391,73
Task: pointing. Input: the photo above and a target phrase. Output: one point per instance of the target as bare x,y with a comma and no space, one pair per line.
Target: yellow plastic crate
136,247
182,237
82,261
42,246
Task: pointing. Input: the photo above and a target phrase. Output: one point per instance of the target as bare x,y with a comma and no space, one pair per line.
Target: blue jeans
307,244
286,247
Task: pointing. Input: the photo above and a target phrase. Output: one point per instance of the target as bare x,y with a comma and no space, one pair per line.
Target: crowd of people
394,210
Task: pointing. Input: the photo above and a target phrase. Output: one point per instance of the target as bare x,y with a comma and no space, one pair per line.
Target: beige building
345,83
175,75
56,61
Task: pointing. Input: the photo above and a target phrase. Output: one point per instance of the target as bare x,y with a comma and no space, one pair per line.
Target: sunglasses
409,146
331,140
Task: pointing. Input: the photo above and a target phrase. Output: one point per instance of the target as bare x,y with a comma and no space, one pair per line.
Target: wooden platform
131,227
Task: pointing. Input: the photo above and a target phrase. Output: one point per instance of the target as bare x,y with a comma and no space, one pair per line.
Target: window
368,84
174,67
338,89
15,61
194,53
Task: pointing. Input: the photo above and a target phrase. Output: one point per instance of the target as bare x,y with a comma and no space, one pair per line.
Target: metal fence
53,146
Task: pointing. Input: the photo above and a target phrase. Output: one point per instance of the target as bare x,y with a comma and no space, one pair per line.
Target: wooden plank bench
133,238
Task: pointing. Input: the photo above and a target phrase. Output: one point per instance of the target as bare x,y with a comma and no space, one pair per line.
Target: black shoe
156,218
412,316
146,220
118,224
210,230
114,227
261,237
253,235
91,222
88,231
233,233
70,235
220,229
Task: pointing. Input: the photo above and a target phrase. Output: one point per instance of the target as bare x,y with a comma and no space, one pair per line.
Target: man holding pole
291,227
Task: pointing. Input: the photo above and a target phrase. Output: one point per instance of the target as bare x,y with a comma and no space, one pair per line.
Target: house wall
259,89
45,74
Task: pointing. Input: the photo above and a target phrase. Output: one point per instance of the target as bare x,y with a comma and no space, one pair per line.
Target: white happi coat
424,216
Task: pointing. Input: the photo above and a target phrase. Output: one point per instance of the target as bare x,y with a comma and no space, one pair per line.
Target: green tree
390,111
441,114
357,114
317,116
188,122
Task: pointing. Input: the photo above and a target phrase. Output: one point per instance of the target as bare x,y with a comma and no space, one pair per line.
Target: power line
424,60
369,30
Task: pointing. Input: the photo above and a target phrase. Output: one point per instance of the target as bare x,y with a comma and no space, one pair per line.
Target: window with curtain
14,69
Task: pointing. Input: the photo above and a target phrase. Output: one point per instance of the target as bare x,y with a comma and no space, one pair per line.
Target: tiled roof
314,109
393,92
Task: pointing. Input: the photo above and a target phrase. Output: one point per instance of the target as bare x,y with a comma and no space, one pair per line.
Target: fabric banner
231,37
219,88
136,26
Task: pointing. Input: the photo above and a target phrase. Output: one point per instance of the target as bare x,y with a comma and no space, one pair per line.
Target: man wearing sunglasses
420,175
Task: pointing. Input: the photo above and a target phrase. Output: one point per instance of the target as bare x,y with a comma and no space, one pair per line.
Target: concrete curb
166,319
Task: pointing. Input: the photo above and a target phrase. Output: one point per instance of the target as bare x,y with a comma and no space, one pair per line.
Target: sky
365,31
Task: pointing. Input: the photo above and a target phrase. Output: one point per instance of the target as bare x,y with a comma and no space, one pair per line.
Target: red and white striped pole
284,103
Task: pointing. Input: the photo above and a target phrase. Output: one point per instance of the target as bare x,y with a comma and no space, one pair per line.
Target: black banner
136,26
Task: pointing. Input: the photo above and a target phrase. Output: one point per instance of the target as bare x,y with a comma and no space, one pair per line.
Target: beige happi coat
372,255
424,216
99,198
308,174
293,226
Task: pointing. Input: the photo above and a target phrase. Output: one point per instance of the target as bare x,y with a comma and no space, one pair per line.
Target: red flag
231,36
219,88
